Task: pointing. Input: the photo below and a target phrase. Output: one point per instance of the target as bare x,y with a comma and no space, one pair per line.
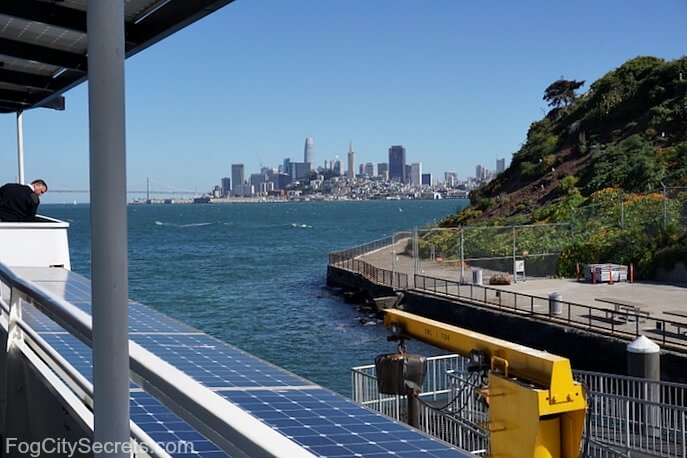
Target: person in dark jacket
19,202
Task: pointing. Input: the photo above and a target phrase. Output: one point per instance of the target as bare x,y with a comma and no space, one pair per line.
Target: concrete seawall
586,350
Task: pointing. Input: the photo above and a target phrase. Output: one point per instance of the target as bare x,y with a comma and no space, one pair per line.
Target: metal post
622,214
413,410
14,335
109,268
665,207
20,146
462,256
515,274
393,260
416,251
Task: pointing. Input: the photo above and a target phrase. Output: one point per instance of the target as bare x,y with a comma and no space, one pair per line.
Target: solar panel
215,363
171,432
160,423
318,419
39,322
328,424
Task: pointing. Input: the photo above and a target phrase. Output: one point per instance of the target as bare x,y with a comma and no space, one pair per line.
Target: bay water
254,275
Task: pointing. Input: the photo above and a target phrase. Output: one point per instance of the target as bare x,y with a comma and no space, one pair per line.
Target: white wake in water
160,223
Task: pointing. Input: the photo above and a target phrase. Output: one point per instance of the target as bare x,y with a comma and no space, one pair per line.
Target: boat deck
319,420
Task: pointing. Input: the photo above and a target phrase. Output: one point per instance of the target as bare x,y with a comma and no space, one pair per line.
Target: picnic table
625,309
680,313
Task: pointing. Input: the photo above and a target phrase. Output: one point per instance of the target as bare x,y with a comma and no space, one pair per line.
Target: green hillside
606,152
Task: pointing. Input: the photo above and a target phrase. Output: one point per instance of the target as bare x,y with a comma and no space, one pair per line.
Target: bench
624,309
680,326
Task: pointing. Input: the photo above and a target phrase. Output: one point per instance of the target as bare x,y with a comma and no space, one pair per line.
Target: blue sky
457,83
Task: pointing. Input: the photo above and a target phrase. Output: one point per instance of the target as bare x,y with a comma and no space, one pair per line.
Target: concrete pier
592,333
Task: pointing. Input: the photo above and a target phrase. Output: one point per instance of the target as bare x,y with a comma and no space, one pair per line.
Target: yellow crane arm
536,408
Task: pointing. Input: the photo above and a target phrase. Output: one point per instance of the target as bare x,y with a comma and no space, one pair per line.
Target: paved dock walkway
655,301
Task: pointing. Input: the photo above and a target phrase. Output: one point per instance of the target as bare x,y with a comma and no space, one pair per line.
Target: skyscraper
500,165
370,169
351,161
482,173
451,178
226,186
308,150
397,163
416,173
383,170
300,170
237,178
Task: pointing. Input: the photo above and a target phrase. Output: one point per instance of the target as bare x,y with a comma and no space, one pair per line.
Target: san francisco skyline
455,84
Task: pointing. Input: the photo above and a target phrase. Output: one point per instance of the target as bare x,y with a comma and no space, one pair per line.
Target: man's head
39,187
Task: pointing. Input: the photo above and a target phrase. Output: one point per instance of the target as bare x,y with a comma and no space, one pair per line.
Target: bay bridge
168,190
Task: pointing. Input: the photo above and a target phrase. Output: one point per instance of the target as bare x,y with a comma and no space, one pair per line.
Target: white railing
435,387
626,415
229,427
634,414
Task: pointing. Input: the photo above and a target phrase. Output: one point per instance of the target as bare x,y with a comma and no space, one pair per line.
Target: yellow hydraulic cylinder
536,409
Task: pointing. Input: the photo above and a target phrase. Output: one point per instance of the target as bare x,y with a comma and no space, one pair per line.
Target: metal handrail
525,304
628,412
231,428
82,386
371,272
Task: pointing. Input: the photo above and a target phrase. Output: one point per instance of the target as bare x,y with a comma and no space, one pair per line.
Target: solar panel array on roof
318,419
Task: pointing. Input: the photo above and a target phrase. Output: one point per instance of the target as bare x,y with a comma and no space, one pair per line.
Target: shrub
567,184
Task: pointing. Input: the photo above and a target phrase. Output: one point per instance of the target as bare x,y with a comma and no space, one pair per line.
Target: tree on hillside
562,92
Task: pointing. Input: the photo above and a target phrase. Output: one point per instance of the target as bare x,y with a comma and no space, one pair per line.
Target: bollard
644,360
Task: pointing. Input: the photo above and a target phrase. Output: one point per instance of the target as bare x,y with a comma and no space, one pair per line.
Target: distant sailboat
74,201
400,209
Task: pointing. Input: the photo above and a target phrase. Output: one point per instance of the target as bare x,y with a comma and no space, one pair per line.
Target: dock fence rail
627,416
347,259
625,323
435,391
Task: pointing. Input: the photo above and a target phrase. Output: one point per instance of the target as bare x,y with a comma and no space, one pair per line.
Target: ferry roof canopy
43,43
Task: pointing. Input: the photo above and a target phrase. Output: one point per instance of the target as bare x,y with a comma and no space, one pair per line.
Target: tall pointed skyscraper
308,151
351,160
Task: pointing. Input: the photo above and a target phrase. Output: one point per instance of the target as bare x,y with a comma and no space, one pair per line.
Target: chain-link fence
513,252
516,251
649,212
509,253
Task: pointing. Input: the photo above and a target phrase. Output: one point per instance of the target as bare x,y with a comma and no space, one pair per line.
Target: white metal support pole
109,268
20,146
